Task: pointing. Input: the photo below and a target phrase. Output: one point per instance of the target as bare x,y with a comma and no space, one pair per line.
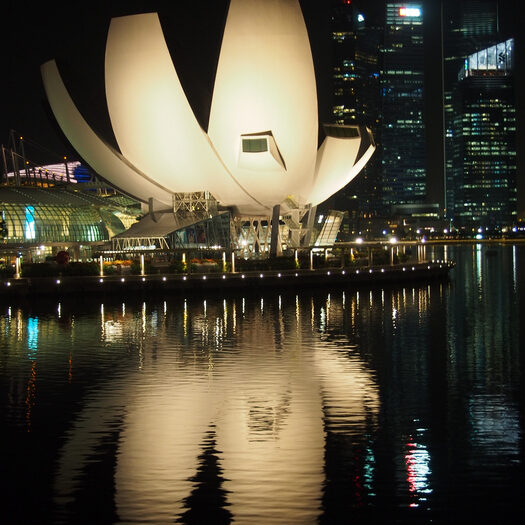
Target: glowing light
30,232
410,11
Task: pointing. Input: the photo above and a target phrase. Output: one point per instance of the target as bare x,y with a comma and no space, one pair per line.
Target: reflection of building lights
417,460
32,337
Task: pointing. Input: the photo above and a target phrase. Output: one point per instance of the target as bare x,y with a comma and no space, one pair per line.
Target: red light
347,2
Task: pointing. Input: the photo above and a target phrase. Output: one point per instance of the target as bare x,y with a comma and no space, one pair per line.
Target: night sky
75,33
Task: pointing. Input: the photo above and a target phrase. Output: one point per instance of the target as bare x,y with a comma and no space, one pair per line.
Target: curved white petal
265,85
152,120
101,157
337,166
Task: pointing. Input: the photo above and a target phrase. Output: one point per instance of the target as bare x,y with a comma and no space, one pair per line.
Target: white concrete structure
260,149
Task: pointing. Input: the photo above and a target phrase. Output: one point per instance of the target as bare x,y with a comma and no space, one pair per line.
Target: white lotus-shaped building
260,148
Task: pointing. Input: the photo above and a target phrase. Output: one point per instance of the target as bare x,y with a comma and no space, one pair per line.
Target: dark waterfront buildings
356,39
426,119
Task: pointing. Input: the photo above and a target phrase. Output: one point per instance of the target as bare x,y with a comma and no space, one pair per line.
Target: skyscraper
468,26
484,140
402,95
356,40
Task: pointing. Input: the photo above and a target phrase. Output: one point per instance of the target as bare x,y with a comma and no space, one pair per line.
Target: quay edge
156,284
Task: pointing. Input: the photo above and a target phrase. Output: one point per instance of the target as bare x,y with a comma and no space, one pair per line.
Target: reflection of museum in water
272,421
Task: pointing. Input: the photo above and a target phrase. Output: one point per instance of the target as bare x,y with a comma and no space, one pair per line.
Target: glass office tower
402,96
484,146
468,26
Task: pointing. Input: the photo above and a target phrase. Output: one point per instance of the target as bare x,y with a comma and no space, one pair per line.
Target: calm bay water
403,404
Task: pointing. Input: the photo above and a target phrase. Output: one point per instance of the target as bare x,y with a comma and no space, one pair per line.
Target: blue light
32,337
30,222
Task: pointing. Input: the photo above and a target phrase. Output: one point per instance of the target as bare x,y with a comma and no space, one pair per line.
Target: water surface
402,404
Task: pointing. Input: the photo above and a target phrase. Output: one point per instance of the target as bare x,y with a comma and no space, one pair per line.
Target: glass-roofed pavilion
39,222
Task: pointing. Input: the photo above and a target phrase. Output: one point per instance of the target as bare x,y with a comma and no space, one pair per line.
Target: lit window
255,145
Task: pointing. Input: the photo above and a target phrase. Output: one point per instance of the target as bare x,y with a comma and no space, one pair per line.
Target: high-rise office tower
356,39
484,145
468,26
402,95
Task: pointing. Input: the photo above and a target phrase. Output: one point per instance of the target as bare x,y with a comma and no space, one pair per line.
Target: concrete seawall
146,285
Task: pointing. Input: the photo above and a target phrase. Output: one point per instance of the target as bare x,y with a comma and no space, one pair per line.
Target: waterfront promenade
202,282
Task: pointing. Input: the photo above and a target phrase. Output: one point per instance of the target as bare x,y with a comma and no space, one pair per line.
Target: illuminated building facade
258,156
402,95
39,222
468,26
485,139
356,39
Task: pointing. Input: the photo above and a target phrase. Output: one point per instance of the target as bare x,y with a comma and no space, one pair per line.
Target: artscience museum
258,160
